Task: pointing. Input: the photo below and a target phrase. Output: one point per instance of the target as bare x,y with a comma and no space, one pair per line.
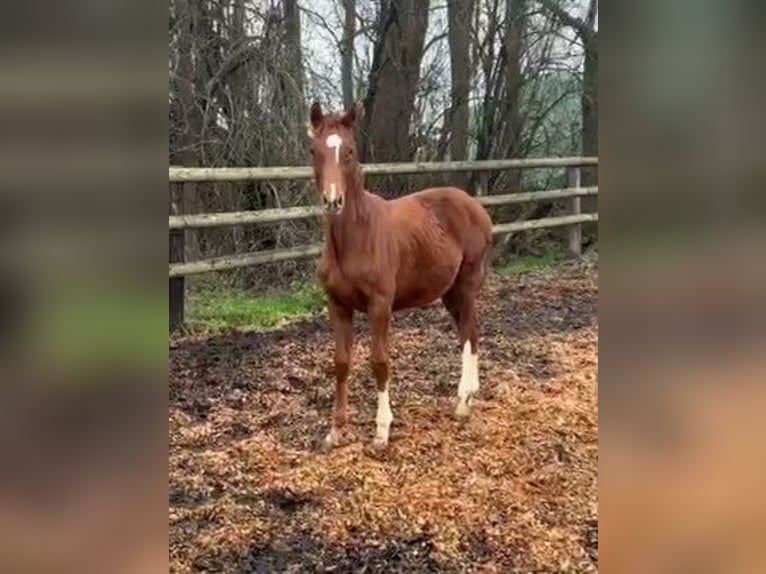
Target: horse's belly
412,300
423,286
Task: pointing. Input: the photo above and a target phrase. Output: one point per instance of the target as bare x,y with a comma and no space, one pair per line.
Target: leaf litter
513,489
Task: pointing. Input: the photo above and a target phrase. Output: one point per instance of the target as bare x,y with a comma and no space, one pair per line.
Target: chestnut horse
381,256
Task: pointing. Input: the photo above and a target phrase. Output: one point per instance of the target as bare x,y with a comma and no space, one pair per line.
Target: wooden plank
258,258
544,223
306,172
294,213
243,260
243,217
574,233
529,196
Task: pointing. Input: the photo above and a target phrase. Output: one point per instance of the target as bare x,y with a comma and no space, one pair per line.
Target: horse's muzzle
332,205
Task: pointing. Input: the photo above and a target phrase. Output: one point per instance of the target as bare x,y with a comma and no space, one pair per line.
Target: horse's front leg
379,314
343,331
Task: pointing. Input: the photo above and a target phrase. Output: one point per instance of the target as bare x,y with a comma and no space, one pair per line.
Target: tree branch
590,20
232,63
565,17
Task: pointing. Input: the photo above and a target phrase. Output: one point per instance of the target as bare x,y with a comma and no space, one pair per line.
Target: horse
381,256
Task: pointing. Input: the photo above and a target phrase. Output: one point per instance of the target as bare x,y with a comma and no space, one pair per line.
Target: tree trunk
589,102
293,44
459,15
347,53
394,75
513,46
292,76
491,65
193,117
238,82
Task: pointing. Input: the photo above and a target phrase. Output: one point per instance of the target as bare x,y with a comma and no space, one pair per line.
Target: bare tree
237,98
292,75
189,115
459,16
393,82
588,35
501,122
347,52
513,50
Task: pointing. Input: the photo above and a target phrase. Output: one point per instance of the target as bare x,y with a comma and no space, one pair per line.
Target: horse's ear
352,115
315,115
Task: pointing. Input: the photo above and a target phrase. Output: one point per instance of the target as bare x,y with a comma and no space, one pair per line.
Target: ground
513,489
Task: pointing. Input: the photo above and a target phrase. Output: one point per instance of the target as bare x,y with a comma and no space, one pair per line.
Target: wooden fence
178,222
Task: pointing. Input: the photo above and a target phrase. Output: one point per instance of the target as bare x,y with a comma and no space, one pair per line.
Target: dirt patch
512,489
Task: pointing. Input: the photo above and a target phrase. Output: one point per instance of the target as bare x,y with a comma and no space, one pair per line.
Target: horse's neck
343,227
346,231
355,195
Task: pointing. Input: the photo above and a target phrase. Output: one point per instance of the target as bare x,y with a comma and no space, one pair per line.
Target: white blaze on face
333,195
384,417
333,141
469,378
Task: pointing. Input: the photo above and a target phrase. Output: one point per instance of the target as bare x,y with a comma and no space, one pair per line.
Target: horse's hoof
380,444
329,441
462,411
378,449
326,445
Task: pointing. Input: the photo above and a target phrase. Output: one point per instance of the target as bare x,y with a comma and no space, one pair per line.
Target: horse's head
333,151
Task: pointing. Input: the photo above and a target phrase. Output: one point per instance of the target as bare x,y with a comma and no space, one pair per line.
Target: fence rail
260,257
181,174
178,268
292,213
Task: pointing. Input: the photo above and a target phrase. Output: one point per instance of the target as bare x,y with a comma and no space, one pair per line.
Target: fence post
574,232
483,183
176,285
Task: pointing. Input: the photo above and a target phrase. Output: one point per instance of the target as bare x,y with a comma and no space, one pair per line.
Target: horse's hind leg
379,314
469,375
460,301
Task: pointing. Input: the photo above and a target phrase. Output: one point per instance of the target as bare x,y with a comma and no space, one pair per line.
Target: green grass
217,310
527,263
103,325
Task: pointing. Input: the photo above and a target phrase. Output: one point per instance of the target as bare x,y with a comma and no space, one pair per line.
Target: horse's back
438,231
458,214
